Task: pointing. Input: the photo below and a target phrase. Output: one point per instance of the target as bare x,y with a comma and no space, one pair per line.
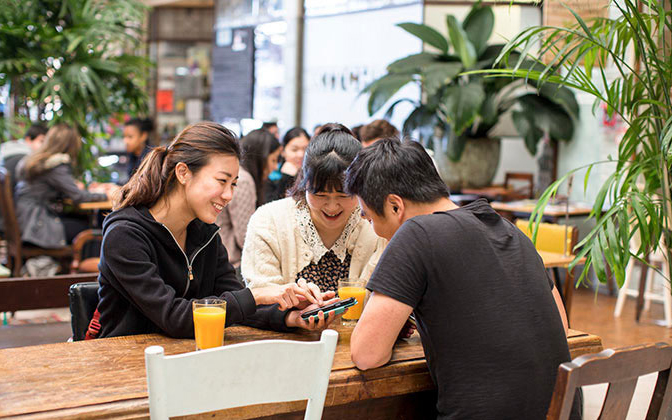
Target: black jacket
147,283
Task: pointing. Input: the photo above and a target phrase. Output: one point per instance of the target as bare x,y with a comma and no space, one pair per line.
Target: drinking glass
209,321
348,288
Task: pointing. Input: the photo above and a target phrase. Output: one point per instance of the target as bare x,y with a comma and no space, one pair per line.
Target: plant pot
475,169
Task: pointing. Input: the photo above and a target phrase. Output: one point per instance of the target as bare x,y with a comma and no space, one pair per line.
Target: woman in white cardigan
316,234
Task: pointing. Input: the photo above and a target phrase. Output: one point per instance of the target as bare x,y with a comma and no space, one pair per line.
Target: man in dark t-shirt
491,322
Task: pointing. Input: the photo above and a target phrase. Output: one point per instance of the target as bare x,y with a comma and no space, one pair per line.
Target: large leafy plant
74,61
635,198
465,106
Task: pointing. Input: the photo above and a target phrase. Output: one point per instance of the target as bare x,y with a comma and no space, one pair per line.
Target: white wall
352,50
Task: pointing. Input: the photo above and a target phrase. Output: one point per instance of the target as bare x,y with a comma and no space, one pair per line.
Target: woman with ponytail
160,248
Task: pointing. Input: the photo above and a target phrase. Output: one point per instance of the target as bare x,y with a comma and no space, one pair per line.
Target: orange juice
359,293
209,326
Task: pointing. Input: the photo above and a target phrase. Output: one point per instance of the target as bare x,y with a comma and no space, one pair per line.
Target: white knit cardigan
275,251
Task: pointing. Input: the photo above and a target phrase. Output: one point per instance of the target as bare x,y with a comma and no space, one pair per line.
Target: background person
160,247
136,139
272,127
492,325
260,156
45,179
12,152
375,131
294,145
317,234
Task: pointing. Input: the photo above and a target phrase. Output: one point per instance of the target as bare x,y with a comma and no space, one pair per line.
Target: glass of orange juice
348,288
209,320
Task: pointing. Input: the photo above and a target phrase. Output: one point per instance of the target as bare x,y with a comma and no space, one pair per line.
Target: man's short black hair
36,130
393,167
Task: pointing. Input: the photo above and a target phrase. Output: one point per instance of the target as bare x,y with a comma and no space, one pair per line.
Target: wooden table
95,205
494,192
106,378
553,211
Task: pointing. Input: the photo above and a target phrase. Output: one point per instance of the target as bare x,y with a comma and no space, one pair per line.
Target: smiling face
295,150
330,210
210,189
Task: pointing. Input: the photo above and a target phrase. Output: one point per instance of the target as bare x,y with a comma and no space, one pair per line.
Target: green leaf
384,88
455,145
390,110
527,130
478,26
587,177
463,47
548,116
598,261
413,63
438,75
561,95
423,120
462,104
427,34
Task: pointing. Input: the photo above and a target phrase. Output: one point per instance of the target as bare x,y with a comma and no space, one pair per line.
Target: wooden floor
595,314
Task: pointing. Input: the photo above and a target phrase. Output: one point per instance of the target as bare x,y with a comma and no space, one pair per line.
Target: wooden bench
27,293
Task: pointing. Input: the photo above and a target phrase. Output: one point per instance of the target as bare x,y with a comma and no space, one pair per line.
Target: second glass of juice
209,321
348,288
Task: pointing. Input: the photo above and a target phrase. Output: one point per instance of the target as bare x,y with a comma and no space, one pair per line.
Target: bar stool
655,259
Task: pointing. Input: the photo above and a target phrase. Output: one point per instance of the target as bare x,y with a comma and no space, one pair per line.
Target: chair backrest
267,371
620,368
83,239
525,192
551,237
12,232
83,302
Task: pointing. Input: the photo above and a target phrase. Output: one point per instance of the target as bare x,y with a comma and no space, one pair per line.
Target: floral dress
327,266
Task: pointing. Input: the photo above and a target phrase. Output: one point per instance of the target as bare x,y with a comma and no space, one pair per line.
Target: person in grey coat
45,178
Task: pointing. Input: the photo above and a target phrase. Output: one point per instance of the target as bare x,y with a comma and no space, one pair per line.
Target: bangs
327,176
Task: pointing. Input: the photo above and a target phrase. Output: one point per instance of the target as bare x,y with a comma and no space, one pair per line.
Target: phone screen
337,307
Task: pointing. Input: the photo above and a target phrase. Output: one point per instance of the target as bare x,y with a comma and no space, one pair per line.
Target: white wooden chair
266,371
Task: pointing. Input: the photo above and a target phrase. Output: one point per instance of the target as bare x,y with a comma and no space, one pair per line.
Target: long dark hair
293,133
327,157
257,146
156,175
60,138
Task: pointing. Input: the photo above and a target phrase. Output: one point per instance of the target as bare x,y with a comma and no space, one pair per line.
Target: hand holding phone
335,308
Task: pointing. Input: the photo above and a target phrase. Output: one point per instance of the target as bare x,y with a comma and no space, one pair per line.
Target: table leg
569,289
642,285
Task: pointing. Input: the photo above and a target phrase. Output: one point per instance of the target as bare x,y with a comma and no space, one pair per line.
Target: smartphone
336,308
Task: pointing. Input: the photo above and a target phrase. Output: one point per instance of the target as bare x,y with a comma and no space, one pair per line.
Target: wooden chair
526,191
266,371
27,293
556,239
620,368
17,252
86,265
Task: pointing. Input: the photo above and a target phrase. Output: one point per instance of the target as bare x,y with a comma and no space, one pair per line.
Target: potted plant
73,61
637,192
459,109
